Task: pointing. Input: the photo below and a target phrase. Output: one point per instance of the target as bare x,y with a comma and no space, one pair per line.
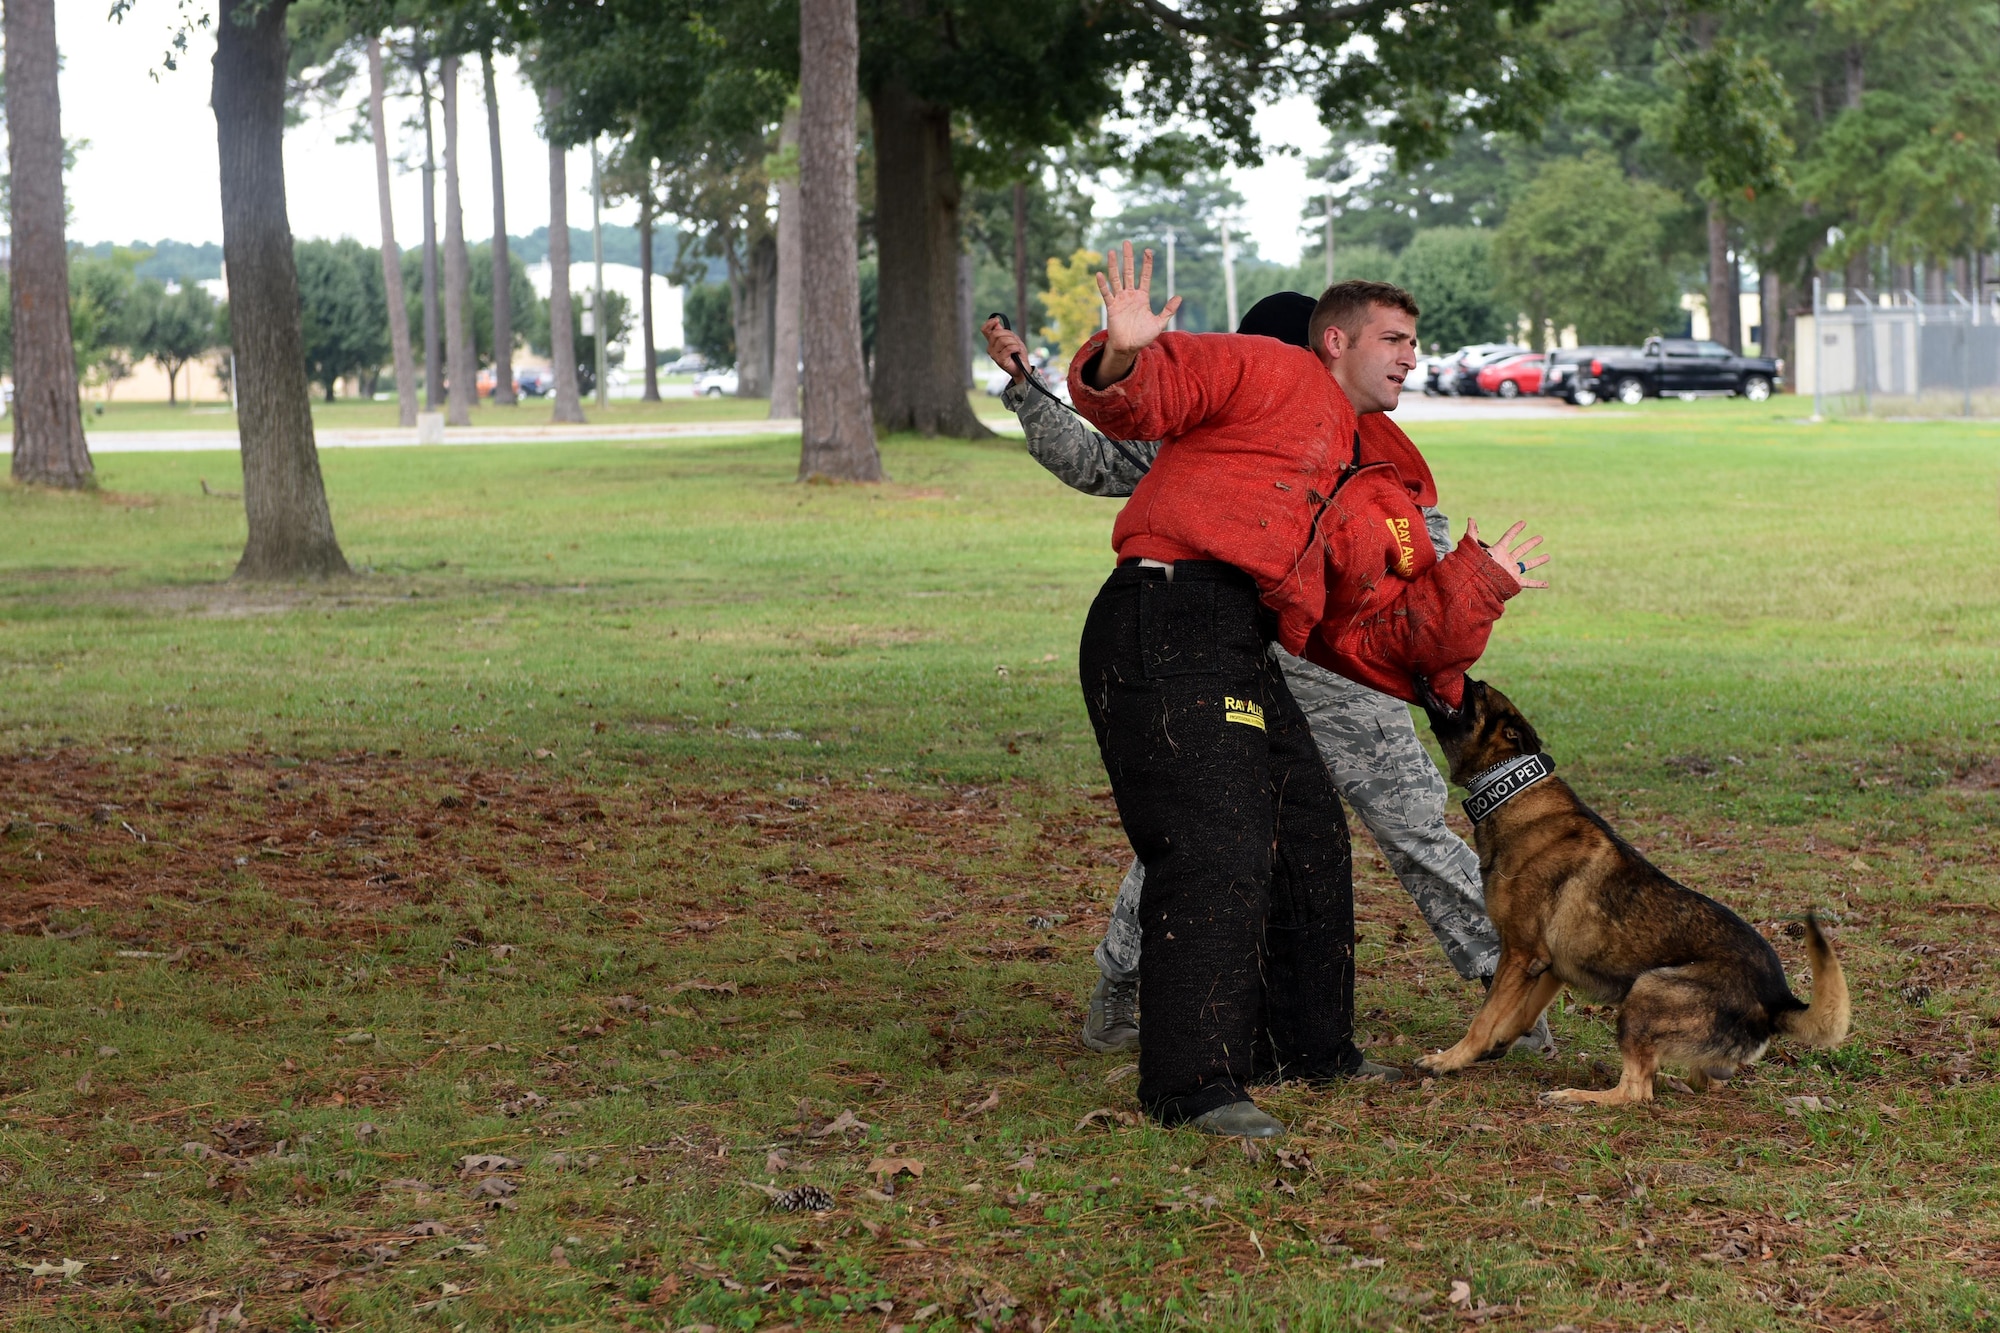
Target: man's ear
1332,342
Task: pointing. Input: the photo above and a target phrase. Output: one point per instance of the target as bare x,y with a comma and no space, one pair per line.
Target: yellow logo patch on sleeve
1247,711
1406,554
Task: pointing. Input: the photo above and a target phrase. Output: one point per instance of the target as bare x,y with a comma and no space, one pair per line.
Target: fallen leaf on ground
840,1124
987,1103
474,1163
1108,1117
714,987
68,1268
896,1166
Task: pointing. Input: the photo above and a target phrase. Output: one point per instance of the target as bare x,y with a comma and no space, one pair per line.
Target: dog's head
1485,729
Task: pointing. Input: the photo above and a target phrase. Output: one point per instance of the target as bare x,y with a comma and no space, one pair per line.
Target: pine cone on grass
802,1199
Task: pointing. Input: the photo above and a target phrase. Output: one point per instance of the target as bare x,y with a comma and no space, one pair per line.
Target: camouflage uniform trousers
1371,748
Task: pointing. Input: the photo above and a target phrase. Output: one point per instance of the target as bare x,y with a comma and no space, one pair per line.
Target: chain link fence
1892,354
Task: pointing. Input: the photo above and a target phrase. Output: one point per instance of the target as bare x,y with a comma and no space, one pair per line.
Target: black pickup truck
1663,368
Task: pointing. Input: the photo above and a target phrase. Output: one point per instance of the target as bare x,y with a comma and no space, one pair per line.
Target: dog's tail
1824,1022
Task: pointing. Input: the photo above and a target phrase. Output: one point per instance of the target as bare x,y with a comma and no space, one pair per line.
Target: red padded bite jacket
1256,439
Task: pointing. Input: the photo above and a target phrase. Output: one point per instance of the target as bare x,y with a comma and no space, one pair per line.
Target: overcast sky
148,171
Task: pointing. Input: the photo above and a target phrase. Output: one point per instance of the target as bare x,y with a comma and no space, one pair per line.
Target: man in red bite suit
1262,519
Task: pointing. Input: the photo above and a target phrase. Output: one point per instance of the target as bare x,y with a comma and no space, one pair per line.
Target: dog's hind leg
1702,1077
1670,1013
1512,1006
1635,1084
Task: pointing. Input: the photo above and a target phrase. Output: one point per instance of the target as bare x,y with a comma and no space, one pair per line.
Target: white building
668,328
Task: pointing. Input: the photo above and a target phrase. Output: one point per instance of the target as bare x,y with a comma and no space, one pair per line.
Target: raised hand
1006,348
1511,553
1129,322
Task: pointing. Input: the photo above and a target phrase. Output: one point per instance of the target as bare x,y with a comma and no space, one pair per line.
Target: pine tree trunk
968,275
433,326
392,258
461,368
785,311
1777,328
757,293
49,448
652,393
1721,281
918,384
562,329
291,530
1021,258
503,268
837,440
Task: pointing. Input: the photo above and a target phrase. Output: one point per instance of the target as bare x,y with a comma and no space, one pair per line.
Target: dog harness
1494,787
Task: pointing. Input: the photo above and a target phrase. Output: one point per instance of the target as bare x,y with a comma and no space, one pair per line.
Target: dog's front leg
1522,988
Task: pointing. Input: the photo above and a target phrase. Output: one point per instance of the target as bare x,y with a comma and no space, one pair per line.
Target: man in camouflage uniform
1366,737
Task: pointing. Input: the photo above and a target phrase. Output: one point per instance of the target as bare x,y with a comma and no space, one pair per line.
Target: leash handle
1035,382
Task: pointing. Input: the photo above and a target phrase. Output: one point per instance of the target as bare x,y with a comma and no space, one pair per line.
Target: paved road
1414,410
195,441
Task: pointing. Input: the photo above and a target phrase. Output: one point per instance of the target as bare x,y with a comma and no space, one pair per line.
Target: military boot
1113,1023
1538,1040
1241,1120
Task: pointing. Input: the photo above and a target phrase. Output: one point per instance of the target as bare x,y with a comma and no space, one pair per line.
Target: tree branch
1340,12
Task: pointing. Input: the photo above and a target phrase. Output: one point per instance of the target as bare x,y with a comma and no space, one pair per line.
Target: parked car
693,363
1460,374
1676,367
1567,368
715,383
1512,376
535,381
1038,363
1424,375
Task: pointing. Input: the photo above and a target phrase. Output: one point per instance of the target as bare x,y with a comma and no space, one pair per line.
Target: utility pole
1228,276
1173,320
597,338
1819,338
1329,226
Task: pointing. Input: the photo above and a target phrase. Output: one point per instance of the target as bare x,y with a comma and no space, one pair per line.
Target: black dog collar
1494,787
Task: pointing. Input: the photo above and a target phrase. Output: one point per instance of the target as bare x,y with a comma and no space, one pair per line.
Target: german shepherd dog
1576,905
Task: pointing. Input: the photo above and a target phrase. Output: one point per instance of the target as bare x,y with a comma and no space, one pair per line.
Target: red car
1514,376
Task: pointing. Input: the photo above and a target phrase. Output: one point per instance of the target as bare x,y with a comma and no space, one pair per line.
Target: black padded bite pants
1247,917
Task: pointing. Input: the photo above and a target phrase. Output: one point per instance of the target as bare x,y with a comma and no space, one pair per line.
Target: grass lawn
473,944
676,405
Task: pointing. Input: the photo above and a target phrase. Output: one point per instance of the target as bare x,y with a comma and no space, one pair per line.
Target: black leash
1035,382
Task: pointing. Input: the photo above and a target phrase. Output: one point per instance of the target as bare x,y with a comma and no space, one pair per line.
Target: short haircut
1347,304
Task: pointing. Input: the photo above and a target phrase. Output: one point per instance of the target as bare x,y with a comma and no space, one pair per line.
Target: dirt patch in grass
325,983
1982,778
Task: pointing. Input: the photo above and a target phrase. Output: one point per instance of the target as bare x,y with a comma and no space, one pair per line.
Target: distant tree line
119,319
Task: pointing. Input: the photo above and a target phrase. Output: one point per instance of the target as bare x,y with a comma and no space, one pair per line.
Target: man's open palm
1129,322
